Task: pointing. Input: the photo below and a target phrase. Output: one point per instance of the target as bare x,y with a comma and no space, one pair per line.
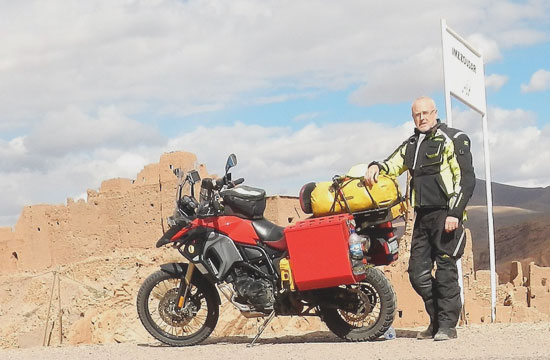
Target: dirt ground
492,341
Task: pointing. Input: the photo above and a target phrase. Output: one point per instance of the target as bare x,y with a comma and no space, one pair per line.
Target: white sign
463,70
465,80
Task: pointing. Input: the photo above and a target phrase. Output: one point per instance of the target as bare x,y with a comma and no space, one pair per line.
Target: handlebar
209,198
218,184
232,184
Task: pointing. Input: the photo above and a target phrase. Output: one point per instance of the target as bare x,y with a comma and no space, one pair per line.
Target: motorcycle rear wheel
375,314
157,310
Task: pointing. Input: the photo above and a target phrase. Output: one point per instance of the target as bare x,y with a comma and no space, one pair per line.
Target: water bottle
390,333
355,248
356,253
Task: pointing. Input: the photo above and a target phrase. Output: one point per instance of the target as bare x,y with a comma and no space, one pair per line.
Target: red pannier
319,252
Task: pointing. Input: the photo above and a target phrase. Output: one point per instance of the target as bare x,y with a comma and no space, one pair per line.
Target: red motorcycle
318,267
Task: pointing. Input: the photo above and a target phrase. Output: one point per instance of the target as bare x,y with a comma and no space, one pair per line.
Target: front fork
185,285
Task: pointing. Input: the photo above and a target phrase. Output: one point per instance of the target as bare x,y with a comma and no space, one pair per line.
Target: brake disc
169,312
363,310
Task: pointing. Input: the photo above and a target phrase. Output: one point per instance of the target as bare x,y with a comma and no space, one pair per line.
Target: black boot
429,333
445,334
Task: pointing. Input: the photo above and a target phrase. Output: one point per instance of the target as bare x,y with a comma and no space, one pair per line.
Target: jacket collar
431,131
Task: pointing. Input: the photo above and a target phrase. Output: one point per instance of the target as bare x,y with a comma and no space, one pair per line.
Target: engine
253,291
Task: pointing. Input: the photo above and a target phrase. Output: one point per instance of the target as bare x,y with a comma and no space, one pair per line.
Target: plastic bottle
390,333
355,249
356,253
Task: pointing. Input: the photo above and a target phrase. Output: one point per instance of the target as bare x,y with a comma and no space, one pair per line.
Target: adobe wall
124,213
519,298
284,210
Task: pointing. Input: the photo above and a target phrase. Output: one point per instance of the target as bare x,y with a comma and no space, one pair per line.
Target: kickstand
262,328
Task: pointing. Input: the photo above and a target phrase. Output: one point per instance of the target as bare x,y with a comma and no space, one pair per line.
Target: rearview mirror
194,176
231,161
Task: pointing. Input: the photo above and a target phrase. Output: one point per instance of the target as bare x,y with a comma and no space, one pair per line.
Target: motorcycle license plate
393,246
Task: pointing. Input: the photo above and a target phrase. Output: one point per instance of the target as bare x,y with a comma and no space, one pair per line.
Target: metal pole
460,273
49,308
460,279
60,315
448,109
490,217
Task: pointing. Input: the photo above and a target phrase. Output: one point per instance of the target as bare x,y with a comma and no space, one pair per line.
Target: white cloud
402,80
519,148
495,81
521,37
540,81
72,130
489,48
69,132
282,160
189,56
262,100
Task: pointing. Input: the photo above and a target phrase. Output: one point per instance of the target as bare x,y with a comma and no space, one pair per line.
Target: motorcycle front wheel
374,315
157,309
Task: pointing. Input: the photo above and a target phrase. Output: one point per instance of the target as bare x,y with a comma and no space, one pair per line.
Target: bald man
440,163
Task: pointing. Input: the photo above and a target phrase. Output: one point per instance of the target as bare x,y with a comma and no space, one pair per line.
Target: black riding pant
430,243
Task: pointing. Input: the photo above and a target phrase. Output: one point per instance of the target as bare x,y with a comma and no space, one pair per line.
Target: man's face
424,114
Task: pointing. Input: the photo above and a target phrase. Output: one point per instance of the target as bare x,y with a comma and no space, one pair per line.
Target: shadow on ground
313,337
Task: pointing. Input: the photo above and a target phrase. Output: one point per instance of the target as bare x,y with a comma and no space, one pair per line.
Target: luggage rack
377,216
369,217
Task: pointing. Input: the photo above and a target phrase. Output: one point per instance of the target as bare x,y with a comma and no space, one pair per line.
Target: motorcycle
265,270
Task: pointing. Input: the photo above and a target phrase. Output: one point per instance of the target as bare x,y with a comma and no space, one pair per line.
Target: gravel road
496,341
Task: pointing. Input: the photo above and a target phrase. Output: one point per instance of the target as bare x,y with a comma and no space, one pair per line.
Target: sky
298,90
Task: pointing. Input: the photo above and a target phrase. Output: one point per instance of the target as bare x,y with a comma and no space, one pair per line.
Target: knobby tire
156,329
335,321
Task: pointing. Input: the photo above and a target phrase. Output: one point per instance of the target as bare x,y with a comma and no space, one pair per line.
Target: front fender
179,270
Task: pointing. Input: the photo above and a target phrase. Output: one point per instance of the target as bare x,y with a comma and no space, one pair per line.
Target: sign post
465,80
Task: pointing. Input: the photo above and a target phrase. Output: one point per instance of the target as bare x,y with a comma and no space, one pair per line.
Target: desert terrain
69,276
487,342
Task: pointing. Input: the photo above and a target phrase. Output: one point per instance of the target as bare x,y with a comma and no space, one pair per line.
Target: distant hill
537,199
522,224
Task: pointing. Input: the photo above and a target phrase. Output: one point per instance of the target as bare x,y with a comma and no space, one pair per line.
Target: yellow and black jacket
440,164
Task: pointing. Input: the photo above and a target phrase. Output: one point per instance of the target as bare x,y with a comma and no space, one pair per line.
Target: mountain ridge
537,198
521,217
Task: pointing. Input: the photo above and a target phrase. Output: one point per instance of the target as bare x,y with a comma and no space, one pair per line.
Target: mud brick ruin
103,247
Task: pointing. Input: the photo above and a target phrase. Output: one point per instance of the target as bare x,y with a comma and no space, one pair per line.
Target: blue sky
299,90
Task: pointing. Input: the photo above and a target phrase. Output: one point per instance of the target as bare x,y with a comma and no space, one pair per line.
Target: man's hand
371,177
451,224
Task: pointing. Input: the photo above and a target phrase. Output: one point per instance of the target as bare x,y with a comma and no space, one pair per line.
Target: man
440,163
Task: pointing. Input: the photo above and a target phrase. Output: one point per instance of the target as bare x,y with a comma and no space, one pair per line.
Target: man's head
424,113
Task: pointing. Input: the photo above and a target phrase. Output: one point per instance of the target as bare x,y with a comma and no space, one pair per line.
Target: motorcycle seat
270,234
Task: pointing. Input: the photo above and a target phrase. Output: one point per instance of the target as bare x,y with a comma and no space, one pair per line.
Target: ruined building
120,224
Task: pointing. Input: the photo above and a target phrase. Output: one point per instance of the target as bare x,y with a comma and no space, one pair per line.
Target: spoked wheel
157,308
374,314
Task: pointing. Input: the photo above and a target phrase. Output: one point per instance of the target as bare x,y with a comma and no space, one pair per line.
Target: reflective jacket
440,164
